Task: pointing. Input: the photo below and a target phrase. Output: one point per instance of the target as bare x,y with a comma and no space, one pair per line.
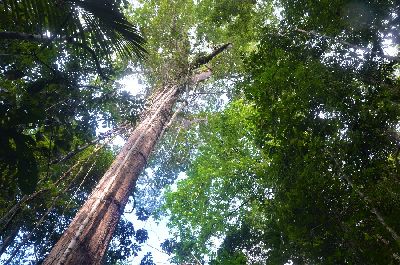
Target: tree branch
205,59
351,45
23,36
201,76
44,39
373,210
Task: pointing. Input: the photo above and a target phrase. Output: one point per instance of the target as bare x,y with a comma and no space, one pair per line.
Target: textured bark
87,238
101,212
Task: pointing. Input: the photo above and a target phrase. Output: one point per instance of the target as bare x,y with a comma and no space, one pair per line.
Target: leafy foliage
55,61
98,24
301,167
303,170
123,246
147,260
141,235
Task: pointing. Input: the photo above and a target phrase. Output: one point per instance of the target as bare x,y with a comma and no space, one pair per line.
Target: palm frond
113,24
96,23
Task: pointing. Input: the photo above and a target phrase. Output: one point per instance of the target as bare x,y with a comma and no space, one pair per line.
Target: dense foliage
304,169
58,61
291,149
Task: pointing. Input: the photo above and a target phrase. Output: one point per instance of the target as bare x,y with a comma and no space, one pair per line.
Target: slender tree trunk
8,239
373,210
22,36
87,238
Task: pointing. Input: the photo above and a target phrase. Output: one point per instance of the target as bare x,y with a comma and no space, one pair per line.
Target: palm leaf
109,22
103,26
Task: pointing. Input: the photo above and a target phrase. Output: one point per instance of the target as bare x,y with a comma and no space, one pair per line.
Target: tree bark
87,238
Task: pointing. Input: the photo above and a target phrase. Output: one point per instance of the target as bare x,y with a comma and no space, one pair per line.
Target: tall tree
315,179
89,234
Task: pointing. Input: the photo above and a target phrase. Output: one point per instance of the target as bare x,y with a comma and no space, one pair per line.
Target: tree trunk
8,239
87,238
373,210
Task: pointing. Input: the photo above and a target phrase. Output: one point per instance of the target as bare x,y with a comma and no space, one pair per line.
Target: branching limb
351,45
206,59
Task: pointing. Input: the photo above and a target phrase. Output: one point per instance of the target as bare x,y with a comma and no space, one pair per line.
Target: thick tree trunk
87,238
88,235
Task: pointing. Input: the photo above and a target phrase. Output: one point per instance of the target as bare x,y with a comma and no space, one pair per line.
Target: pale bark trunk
375,211
88,235
90,232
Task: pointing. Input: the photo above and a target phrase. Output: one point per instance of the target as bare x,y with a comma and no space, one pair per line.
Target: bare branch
205,59
23,36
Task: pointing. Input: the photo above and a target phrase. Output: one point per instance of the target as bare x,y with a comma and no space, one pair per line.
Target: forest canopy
283,117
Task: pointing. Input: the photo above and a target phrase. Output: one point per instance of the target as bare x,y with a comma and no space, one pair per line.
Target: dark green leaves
98,24
141,236
109,26
27,169
52,101
296,179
